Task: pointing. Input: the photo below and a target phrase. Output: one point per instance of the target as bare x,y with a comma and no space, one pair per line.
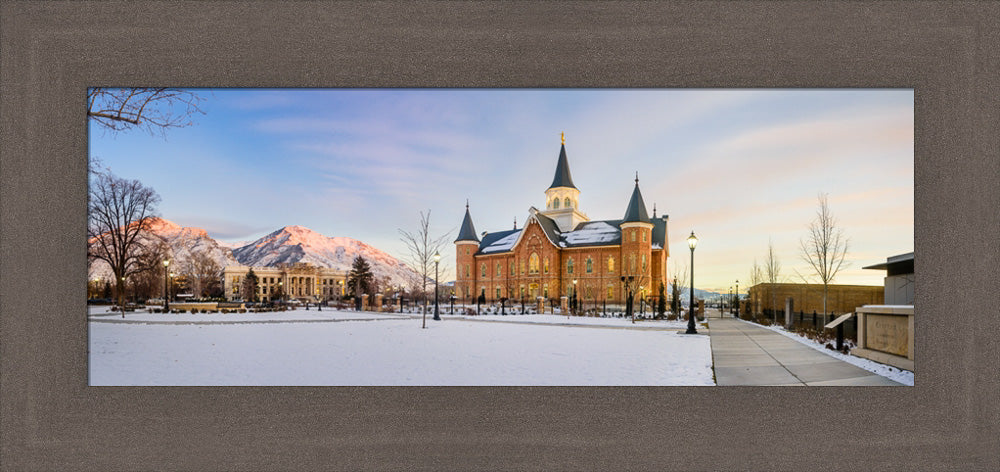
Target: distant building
299,281
809,297
560,245
899,279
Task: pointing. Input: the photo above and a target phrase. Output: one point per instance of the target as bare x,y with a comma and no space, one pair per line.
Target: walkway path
745,354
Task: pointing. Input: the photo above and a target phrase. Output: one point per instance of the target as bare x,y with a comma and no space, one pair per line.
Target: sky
739,167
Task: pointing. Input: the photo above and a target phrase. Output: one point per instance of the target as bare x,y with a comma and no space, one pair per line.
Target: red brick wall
592,287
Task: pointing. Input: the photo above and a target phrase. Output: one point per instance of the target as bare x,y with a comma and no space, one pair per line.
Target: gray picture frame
51,52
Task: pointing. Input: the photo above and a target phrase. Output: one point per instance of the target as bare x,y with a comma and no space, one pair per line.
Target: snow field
393,352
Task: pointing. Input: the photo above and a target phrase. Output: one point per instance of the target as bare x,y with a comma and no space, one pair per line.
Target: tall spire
636,210
468,231
562,177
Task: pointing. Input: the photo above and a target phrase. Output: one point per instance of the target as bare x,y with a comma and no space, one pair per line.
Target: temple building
559,251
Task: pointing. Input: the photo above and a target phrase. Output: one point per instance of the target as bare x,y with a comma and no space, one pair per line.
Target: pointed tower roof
468,231
562,177
636,210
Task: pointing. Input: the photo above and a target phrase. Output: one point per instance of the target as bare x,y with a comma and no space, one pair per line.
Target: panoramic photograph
500,237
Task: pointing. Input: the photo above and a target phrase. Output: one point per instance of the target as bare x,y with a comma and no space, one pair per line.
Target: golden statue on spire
563,137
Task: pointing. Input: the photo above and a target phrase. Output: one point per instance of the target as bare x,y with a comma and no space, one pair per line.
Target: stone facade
809,297
300,281
560,245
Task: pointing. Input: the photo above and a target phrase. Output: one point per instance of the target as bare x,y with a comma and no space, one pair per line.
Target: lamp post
166,288
737,299
692,242
730,297
572,304
437,258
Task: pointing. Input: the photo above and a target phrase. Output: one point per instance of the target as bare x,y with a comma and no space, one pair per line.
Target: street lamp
737,299
692,242
730,298
572,306
166,288
437,259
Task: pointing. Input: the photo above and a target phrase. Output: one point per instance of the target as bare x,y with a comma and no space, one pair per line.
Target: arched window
567,204
633,235
555,204
631,263
466,270
546,265
499,270
569,266
611,291
545,290
611,263
512,271
643,236
644,263
483,270
590,265
533,264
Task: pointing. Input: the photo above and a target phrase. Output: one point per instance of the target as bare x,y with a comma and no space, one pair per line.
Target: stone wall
809,297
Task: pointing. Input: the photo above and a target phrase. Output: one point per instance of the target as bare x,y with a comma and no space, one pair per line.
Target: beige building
299,281
809,297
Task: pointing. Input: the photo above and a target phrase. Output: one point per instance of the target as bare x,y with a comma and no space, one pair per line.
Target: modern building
809,297
299,281
560,251
900,281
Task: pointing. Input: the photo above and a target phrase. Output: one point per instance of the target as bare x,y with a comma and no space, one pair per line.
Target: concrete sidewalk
745,354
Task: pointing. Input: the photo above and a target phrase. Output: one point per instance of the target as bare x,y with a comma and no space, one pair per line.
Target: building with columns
561,245
299,281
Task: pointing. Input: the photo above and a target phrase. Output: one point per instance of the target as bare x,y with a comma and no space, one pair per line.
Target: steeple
636,210
562,177
468,231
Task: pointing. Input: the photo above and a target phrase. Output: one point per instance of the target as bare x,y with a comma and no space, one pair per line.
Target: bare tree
119,212
772,272
679,281
825,247
203,273
148,280
422,247
756,278
634,276
155,109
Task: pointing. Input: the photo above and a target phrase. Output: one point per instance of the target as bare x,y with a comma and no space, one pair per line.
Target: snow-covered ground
353,348
904,377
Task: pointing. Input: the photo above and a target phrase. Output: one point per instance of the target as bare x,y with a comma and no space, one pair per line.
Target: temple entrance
533,290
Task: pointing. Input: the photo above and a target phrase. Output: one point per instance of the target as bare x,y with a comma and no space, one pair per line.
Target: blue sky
739,167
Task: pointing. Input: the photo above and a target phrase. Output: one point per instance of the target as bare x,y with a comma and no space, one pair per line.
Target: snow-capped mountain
293,244
287,245
186,241
183,242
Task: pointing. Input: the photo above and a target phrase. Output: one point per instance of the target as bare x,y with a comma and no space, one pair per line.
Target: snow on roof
505,243
598,232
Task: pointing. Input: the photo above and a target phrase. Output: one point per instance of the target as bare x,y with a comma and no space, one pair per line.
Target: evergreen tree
661,306
249,288
360,275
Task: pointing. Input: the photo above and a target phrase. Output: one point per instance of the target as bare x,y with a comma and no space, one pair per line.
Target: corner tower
562,198
637,241
466,246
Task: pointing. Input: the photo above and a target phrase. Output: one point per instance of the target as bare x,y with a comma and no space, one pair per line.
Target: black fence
804,321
